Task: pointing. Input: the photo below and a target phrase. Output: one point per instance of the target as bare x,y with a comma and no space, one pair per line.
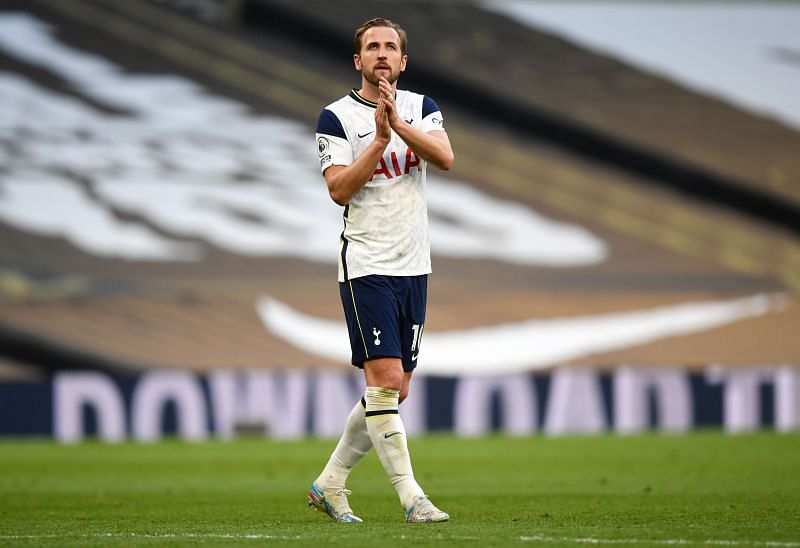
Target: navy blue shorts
385,317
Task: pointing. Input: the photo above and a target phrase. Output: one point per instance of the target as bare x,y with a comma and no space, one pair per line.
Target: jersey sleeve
332,143
432,119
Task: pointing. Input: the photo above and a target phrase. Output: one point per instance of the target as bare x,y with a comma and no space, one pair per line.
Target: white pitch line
713,542
534,538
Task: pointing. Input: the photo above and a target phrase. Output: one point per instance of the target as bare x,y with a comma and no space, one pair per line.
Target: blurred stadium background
616,249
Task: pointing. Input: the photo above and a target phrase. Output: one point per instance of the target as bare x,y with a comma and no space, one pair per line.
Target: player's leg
328,492
385,379
354,444
377,301
413,298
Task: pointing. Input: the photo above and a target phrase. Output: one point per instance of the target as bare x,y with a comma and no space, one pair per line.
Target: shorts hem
360,364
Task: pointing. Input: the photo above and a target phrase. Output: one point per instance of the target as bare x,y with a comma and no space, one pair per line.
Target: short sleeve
332,143
432,119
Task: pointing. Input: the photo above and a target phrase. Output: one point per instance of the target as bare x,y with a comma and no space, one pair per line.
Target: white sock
353,445
388,436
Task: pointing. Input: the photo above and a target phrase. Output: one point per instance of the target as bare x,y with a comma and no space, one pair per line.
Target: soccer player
374,147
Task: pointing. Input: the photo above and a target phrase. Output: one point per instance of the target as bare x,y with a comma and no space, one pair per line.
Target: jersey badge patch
323,145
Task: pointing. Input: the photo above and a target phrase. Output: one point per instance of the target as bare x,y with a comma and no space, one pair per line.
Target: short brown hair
380,22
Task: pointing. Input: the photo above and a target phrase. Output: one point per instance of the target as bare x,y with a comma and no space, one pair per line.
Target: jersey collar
358,99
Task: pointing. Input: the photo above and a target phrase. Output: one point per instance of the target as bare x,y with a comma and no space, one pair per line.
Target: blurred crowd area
612,202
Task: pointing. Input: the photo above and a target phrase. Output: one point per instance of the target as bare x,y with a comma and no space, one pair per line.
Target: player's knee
394,381
384,372
403,393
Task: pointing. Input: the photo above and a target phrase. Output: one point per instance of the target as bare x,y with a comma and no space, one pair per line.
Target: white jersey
386,222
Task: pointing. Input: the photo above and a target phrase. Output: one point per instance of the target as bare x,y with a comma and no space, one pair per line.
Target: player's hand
383,130
387,98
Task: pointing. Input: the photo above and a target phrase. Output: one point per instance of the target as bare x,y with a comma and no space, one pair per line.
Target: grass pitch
645,490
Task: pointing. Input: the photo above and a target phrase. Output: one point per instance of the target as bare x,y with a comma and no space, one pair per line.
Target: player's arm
432,146
345,181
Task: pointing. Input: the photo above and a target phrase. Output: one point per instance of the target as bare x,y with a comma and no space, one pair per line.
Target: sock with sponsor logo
353,445
388,436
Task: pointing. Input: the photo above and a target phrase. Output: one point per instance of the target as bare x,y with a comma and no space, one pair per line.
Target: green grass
648,490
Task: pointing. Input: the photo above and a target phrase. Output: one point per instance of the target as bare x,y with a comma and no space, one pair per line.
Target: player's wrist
382,142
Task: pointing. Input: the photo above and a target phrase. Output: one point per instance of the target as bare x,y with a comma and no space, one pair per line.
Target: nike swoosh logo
409,121
526,345
390,434
364,135
414,357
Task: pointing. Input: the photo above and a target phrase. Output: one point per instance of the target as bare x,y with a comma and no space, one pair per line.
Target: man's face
380,55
